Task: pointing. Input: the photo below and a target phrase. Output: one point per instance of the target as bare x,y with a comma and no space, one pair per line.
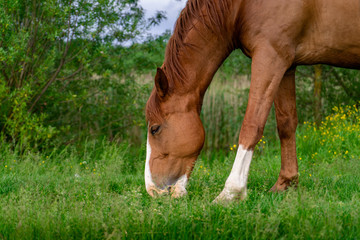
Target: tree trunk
317,94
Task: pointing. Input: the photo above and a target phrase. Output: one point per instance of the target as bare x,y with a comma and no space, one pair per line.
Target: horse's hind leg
267,71
286,117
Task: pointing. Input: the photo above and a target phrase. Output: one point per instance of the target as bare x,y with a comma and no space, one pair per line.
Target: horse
278,35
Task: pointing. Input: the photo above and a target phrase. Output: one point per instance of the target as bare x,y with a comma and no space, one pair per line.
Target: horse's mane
212,13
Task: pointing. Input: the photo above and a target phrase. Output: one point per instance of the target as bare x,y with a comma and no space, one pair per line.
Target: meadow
97,191
72,133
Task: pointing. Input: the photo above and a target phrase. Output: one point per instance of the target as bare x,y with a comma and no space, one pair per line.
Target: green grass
97,192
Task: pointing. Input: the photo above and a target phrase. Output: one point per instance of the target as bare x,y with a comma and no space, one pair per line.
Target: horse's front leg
267,71
286,117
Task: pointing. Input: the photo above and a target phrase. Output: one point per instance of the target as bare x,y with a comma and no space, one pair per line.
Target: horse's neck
199,47
202,61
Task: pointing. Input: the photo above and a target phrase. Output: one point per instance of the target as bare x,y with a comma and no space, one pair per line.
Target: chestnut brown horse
277,35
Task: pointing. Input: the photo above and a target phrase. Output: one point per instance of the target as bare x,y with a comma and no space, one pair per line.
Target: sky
172,9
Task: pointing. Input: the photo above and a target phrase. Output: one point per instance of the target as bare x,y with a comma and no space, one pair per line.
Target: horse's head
175,138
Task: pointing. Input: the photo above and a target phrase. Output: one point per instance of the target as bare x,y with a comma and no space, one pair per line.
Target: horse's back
315,31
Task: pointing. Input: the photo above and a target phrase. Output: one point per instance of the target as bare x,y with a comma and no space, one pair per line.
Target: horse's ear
161,83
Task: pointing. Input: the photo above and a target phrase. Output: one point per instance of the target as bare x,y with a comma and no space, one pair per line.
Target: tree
317,93
43,42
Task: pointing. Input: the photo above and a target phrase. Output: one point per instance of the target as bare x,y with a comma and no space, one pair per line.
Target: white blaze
178,189
235,186
148,180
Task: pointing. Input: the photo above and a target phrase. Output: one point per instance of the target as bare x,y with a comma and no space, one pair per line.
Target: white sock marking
235,185
178,190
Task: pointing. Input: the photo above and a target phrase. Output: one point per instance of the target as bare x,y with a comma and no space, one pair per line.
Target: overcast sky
171,7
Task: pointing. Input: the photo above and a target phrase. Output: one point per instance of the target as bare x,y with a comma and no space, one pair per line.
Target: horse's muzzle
177,190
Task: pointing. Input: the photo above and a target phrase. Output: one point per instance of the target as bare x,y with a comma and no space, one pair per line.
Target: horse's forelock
152,110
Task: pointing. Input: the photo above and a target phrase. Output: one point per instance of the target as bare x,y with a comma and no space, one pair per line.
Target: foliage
339,87
99,107
46,46
97,191
144,58
335,137
21,125
222,112
237,64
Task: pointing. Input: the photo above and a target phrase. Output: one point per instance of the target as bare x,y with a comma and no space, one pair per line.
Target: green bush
105,107
55,50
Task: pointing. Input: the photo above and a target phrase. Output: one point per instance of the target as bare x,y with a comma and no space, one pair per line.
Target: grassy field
97,191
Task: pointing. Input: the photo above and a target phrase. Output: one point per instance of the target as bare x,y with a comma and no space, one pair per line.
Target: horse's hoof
227,196
282,184
278,188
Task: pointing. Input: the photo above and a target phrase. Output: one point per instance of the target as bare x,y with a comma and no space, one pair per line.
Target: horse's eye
154,129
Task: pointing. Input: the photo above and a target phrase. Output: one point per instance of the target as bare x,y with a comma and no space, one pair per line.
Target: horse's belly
332,36
340,57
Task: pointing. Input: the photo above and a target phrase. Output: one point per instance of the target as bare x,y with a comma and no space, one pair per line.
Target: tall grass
224,108
97,192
